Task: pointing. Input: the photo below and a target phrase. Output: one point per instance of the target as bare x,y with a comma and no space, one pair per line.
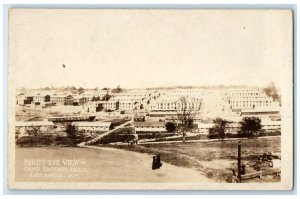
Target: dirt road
96,165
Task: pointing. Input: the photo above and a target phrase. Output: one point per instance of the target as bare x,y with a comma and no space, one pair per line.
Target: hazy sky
148,48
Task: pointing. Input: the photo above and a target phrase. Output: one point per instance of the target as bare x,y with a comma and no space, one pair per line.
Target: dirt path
104,165
139,166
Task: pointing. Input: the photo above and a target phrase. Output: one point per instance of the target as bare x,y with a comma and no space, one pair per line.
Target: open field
212,158
208,151
95,164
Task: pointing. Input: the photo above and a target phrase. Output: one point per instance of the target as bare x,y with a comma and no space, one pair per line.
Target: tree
186,112
72,133
39,135
80,90
219,128
171,127
272,91
249,127
73,88
106,97
117,90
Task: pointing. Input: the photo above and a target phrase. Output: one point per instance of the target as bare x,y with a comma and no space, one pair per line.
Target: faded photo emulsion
150,99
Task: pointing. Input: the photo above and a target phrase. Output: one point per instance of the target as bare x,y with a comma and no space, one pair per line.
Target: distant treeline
72,89
199,87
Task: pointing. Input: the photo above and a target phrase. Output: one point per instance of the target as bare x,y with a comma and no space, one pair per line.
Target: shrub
111,138
213,135
171,126
29,141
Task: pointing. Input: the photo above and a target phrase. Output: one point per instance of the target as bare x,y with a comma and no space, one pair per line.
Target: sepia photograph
150,99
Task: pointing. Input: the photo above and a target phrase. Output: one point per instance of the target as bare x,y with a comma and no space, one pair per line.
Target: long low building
234,127
22,128
93,126
165,104
34,124
269,125
272,111
72,118
203,128
143,127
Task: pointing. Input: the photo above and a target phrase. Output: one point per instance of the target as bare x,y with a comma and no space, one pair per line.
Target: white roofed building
58,99
173,106
144,127
42,127
93,126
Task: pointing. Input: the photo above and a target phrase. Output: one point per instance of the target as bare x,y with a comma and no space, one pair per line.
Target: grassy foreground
214,159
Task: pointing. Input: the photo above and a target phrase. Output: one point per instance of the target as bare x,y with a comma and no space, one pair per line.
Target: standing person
154,163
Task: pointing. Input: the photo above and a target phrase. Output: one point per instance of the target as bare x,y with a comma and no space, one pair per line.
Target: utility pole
239,162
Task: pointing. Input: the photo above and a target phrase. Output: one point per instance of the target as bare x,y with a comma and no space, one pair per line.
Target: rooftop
93,124
149,124
34,123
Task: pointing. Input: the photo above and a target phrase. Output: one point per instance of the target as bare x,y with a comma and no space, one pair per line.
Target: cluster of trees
36,137
117,90
249,127
96,99
72,89
104,98
273,92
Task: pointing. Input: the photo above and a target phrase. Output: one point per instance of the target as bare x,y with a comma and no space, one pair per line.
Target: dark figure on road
153,163
156,164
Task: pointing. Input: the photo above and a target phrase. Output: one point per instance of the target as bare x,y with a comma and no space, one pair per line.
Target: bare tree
186,113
